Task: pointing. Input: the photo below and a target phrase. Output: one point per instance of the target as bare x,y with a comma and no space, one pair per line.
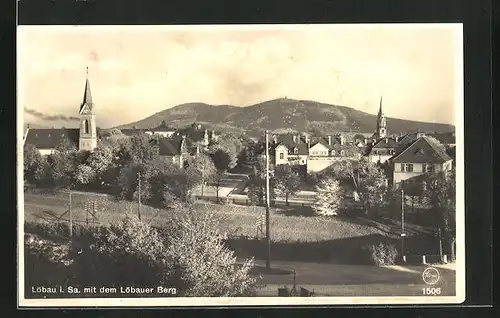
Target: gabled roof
444,138
169,146
320,140
422,150
50,138
194,133
301,149
335,142
387,143
162,127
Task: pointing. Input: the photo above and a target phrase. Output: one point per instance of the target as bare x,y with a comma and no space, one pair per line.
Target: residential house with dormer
383,149
418,158
83,138
290,149
324,151
312,153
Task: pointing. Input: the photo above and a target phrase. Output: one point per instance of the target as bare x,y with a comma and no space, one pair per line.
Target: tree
225,152
128,181
329,197
257,183
204,266
94,170
440,194
202,165
33,165
365,177
287,182
217,180
62,169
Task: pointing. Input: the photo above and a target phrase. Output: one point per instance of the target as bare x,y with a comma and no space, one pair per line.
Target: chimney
386,140
275,138
396,138
307,139
294,138
330,140
365,141
298,139
342,139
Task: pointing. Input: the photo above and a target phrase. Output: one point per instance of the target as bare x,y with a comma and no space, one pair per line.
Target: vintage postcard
240,165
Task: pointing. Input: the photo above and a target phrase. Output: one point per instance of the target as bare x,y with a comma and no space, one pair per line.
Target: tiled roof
301,149
423,150
194,134
335,142
169,146
162,127
51,138
444,138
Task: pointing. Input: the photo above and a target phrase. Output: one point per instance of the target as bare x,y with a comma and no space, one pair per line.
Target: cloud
43,116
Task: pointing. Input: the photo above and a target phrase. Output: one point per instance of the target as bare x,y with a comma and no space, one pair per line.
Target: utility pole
202,176
139,195
70,217
268,230
402,220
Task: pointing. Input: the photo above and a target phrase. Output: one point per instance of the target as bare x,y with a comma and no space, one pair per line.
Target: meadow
236,220
296,234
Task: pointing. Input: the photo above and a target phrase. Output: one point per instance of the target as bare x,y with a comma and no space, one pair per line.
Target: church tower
381,123
88,129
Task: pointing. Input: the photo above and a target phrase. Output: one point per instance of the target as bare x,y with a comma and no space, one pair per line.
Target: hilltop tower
88,128
381,123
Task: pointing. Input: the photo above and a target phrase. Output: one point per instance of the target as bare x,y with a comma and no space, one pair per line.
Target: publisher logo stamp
430,276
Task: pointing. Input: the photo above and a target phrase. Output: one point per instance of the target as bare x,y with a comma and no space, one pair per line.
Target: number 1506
431,291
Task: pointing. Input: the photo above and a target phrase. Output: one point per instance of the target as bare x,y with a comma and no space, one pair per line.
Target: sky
136,71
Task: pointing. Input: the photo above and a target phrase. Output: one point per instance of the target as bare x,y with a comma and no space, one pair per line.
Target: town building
313,153
383,149
381,131
83,138
161,130
419,157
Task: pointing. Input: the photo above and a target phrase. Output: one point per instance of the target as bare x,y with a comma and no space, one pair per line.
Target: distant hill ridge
281,115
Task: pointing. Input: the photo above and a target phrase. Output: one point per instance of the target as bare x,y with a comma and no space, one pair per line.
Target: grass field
236,219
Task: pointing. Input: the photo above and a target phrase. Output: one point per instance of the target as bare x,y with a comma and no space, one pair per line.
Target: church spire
380,111
381,122
87,96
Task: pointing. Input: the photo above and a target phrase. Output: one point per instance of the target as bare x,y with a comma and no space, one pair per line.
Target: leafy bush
129,253
45,263
329,197
189,253
382,253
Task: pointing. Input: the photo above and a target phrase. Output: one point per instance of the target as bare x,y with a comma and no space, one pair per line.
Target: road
338,280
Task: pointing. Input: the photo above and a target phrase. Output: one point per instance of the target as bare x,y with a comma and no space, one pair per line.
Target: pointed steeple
87,96
380,111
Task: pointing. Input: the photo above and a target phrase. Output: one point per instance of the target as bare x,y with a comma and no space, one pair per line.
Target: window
429,167
86,126
333,152
282,155
295,151
406,167
341,152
